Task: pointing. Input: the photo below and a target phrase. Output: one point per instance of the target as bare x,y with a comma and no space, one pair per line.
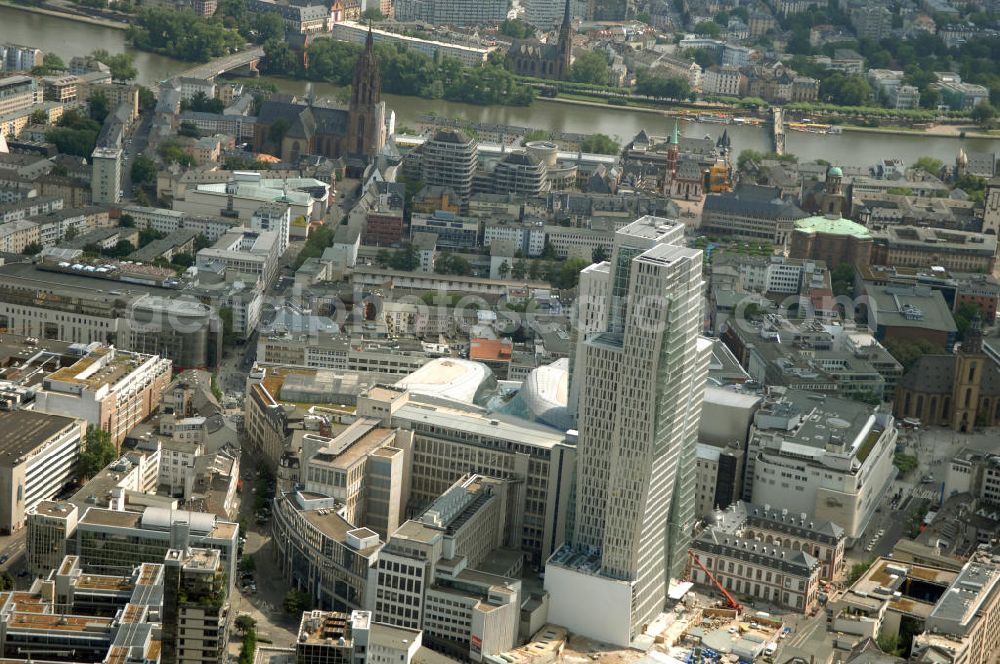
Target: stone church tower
565,46
969,368
366,113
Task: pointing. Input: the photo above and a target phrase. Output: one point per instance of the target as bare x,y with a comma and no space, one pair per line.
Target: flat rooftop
28,276
22,431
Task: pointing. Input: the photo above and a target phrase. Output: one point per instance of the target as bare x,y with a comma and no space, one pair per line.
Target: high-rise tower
639,370
366,119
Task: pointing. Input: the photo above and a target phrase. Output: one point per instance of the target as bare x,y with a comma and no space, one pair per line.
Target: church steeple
973,342
364,135
565,44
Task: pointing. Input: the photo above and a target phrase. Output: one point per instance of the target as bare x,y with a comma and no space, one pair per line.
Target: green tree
907,352
39,117
182,34
890,644
189,129
842,280
71,233
244,623
228,331
845,90
143,170
599,255
98,106
75,134
905,462
516,28
98,451
708,28
983,114
518,270
279,58
504,270
121,249
31,249
929,164
121,64
857,571
567,274
126,221
406,259
296,602
51,64
202,103
963,316
449,263
600,144
173,153
590,67
660,87
147,100
372,14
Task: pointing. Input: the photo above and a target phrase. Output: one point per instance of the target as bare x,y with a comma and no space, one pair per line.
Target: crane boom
730,600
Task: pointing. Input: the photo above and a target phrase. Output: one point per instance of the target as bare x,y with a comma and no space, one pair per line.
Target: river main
67,38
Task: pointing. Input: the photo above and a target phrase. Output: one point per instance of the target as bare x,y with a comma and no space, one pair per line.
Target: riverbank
68,16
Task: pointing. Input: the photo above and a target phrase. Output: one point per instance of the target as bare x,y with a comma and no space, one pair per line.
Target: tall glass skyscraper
638,374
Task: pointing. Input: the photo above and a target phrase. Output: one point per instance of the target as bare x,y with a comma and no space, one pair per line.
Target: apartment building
727,81
106,178
39,454
568,242
449,159
427,576
49,524
451,12
337,352
170,221
824,455
528,237
16,58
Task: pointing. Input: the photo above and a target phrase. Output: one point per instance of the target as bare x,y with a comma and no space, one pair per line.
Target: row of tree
404,72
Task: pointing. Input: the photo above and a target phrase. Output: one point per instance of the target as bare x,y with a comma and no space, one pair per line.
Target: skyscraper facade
638,372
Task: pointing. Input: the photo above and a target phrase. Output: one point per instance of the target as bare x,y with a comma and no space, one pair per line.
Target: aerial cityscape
499,331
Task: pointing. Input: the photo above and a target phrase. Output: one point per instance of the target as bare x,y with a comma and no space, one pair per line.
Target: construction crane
730,600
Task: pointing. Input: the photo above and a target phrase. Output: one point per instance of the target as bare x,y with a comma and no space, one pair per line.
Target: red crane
730,600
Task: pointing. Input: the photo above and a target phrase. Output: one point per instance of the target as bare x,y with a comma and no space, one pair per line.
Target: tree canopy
182,34
590,67
98,451
600,144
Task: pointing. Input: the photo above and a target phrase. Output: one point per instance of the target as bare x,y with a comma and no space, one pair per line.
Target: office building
320,552
718,477
243,251
18,93
97,618
747,558
106,387
910,246
451,12
450,440
39,455
449,160
106,178
428,574
195,608
751,214
49,524
333,637
452,230
635,473
810,453
275,218
107,540
908,313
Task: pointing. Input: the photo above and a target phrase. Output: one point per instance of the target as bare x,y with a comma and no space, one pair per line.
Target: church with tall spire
366,124
310,127
553,61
